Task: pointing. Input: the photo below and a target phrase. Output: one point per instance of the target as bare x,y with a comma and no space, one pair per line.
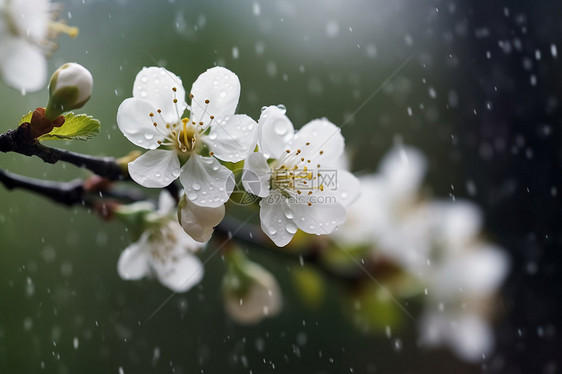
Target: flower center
184,135
293,173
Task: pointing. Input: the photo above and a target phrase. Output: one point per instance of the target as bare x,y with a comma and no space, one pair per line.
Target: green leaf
76,126
26,118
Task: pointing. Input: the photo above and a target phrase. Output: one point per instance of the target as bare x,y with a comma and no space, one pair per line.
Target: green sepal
26,118
76,126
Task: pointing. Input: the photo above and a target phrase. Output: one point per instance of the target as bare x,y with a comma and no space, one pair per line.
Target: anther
191,96
307,143
174,89
212,117
288,151
310,192
321,152
175,101
151,114
302,158
159,111
299,192
309,204
155,124
207,101
201,123
211,153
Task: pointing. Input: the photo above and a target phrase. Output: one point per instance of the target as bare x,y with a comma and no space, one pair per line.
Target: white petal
404,168
24,66
165,203
233,139
322,217
180,273
135,122
197,221
275,131
133,262
348,187
471,337
275,221
477,272
326,143
222,88
262,299
206,182
458,223
256,175
155,85
31,17
155,169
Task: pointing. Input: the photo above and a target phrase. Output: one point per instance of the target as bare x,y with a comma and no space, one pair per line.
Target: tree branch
67,193
21,141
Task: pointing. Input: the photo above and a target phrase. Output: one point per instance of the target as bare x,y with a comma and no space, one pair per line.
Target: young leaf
76,126
26,118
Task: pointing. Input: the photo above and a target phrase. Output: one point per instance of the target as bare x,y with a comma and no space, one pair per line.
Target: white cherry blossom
164,251
303,186
153,119
25,29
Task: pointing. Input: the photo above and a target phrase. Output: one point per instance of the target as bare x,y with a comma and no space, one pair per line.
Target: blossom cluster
195,137
437,244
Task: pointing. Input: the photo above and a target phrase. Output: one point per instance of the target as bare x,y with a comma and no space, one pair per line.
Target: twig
67,193
21,141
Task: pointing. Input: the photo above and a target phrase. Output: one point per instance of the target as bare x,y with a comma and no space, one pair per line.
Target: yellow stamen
65,29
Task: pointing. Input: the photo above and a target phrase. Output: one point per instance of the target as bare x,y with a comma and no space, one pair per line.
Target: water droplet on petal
192,196
263,108
223,94
143,93
289,214
281,127
196,186
213,135
291,228
282,108
272,231
148,136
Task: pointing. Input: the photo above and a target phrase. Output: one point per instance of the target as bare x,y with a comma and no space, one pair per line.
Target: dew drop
282,108
223,94
213,135
192,196
289,214
148,136
291,228
143,93
196,186
263,108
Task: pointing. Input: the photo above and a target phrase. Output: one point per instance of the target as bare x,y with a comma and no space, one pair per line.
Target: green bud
70,88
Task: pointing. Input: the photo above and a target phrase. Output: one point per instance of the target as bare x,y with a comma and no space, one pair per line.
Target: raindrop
143,93
280,127
192,196
223,94
282,108
263,108
289,214
213,135
291,228
196,186
148,136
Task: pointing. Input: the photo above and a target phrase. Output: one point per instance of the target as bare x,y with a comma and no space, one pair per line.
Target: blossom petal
133,262
24,67
222,88
180,273
319,141
274,219
275,131
233,139
155,85
155,169
262,298
322,217
404,169
135,122
30,17
477,272
206,182
348,188
256,175
197,221
471,337
457,223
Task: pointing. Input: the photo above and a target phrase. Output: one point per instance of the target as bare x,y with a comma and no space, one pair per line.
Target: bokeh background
475,85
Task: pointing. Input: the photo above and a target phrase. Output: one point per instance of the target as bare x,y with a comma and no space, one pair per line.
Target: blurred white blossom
26,27
163,250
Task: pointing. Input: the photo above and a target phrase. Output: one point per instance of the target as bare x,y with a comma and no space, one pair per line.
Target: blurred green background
386,71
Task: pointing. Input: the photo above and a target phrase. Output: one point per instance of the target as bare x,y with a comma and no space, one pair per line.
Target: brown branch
21,141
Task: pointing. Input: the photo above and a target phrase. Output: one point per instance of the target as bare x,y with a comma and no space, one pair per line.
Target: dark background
483,88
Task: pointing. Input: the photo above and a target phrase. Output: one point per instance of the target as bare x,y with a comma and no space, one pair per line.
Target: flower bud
250,292
70,88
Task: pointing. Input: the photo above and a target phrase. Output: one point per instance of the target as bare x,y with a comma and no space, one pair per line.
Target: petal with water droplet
155,169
